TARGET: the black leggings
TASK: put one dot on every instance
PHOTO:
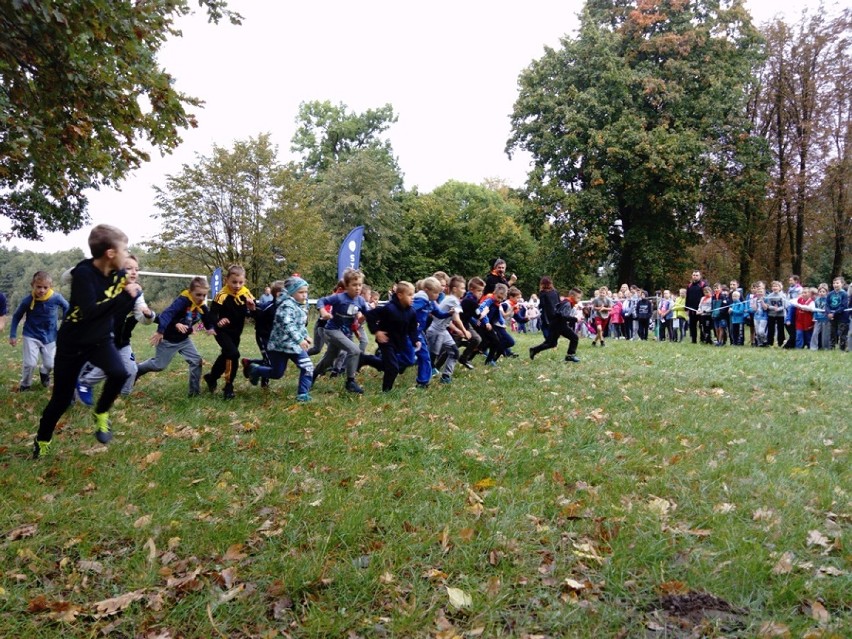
(67, 367)
(228, 362)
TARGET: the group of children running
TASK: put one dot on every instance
(433, 326)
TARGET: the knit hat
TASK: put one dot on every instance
(293, 284)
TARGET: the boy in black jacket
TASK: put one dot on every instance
(175, 325)
(395, 328)
(99, 294)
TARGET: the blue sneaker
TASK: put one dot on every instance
(85, 394)
(304, 397)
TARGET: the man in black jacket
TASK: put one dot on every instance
(694, 293)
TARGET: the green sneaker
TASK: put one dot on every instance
(102, 431)
(40, 449)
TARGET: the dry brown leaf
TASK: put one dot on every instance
(784, 565)
(466, 534)
(492, 586)
(64, 611)
(819, 613)
(142, 522)
(232, 593)
(151, 547)
(446, 544)
(597, 416)
(150, 459)
(770, 629)
(816, 538)
(673, 587)
(38, 604)
(234, 553)
(113, 606)
(575, 585)
(187, 582)
(228, 576)
(90, 566)
(27, 530)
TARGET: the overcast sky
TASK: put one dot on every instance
(449, 69)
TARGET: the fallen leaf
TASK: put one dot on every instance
(816, 538)
(232, 593)
(153, 458)
(466, 534)
(770, 629)
(724, 508)
(151, 547)
(234, 553)
(784, 565)
(482, 484)
(819, 613)
(673, 587)
(27, 530)
(573, 584)
(660, 506)
(228, 576)
(113, 606)
(142, 522)
(459, 598)
(90, 566)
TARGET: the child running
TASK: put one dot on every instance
(229, 311)
(343, 309)
(91, 375)
(443, 347)
(288, 341)
(99, 293)
(175, 325)
(560, 326)
(395, 328)
(39, 312)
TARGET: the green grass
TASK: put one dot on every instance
(564, 499)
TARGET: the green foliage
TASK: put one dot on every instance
(17, 268)
(328, 134)
(623, 121)
(361, 189)
(462, 228)
(83, 98)
(239, 206)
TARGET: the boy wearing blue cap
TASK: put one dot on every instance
(289, 339)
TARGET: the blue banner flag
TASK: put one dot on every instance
(216, 284)
(350, 251)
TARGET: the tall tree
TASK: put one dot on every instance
(362, 190)
(623, 122)
(462, 228)
(356, 177)
(805, 112)
(83, 98)
(239, 206)
(328, 134)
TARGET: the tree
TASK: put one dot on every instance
(356, 178)
(83, 98)
(362, 190)
(239, 206)
(623, 122)
(462, 228)
(328, 134)
(805, 107)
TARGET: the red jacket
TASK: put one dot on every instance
(804, 319)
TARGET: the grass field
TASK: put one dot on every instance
(653, 490)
